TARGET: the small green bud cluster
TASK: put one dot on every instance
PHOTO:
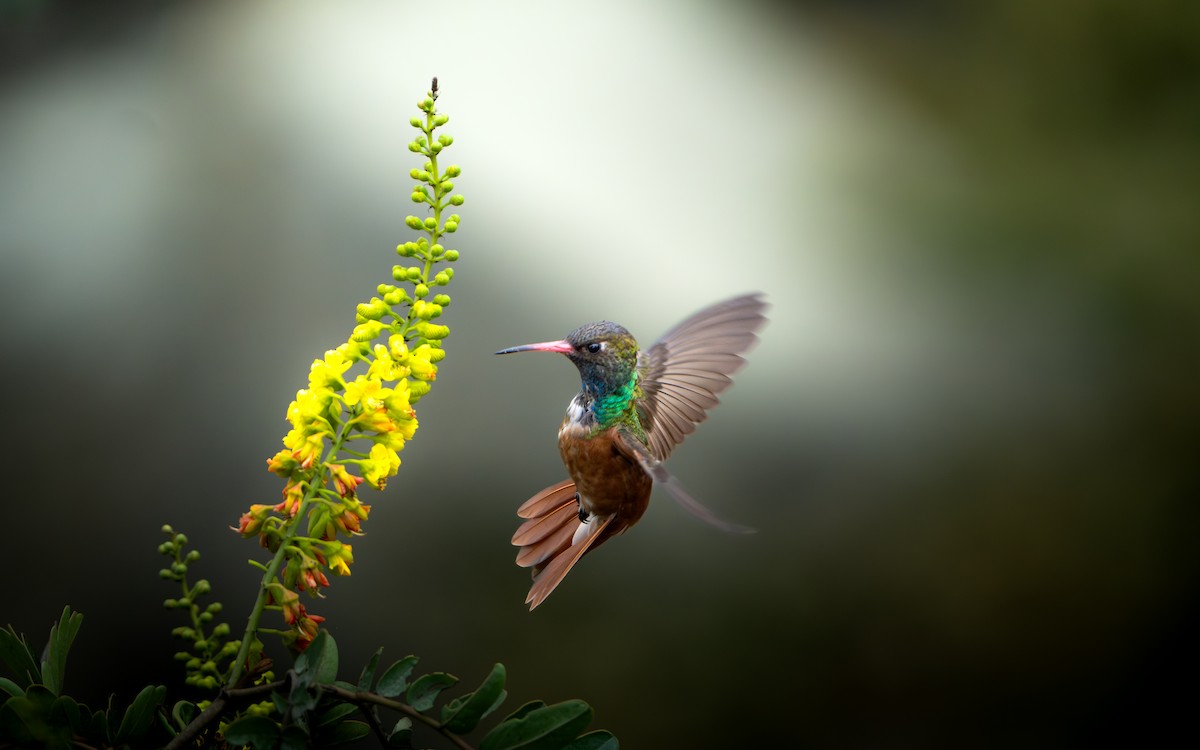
(435, 188)
(208, 661)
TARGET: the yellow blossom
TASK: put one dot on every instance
(327, 372)
(383, 463)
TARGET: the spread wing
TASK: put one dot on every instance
(683, 372)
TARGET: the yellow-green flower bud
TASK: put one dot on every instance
(445, 140)
(449, 271)
(440, 120)
(446, 186)
(395, 297)
(421, 291)
(416, 122)
(436, 250)
(417, 389)
(442, 300)
(457, 200)
(441, 279)
(399, 273)
(453, 170)
(451, 255)
(418, 196)
(437, 355)
(414, 273)
(366, 331)
(436, 148)
(426, 104)
(371, 310)
(435, 332)
(414, 147)
(451, 227)
(430, 223)
(413, 222)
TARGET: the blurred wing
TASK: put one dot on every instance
(630, 446)
(684, 371)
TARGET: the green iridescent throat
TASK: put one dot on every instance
(617, 405)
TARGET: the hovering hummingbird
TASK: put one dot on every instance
(635, 406)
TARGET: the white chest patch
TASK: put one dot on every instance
(573, 424)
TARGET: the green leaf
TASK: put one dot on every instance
(401, 734)
(19, 657)
(524, 710)
(347, 731)
(257, 731)
(394, 681)
(597, 740)
(140, 713)
(336, 714)
(294, 738)
(368, 674)
(98, 727)
(65, 711)
(62, 635)
(21, 721)
(423, 692)
(547, 728)
(320, 660)
(183, 712)
(473, 707)
(10, 687)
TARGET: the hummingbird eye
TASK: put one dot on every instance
(594, 347)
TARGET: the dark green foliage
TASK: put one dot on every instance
(546, 728)
(314, 709)
(36, 714)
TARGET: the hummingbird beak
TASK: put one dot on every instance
(562, 347)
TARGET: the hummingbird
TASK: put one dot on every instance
(634, 407)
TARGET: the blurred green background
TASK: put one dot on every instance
(968, 436)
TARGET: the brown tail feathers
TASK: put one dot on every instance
(546, 538)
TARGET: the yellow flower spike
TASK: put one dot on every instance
(374, 404)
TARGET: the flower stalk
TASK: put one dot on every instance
(357, 413)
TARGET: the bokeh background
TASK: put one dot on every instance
(968, 436)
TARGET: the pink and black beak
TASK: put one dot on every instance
(562, 347)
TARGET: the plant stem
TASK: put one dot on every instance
(359, 697)
(272, 569)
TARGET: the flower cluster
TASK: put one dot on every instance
(351, 422)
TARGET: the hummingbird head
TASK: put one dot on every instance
(605, 354)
